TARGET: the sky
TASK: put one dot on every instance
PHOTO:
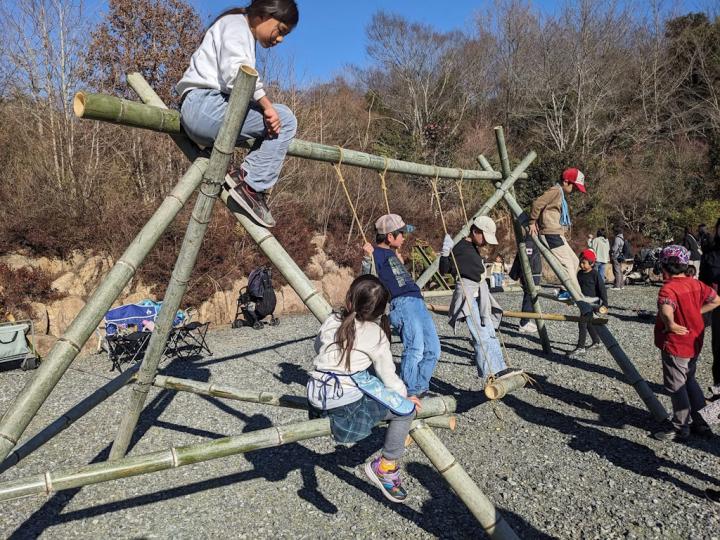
(331, 33)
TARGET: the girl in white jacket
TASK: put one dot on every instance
(205, 90)
(341, 387)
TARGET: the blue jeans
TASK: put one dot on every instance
(202, 113)
(488, 354)
(421, 346)
(498, 278)
(601, 271)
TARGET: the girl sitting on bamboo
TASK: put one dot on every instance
(341, 387)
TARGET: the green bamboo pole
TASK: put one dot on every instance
(477, 502)
(222, 152)
(521, 248)
(631, 373)
(26, 404)
(49, 482)
(111, 109)
(267, 243)
(484, 211)
(500, 388)
(68, 418)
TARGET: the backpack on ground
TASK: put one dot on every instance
(627, 250)
(256, 301)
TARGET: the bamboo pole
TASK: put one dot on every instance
(115, 110)
(477, 502)
(623, 361)
(213, 178)
(506, 184)
(69, 418)
(28, 402)
(265, 240)
(50, 482)
(433, 294)
(554, 317)
(501, 387)
(554, 297)
(521, 248)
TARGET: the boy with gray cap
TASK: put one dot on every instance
(472, 301)
(408, 314)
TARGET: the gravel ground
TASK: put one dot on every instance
(568, 458)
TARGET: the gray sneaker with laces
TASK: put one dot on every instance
(246, 199)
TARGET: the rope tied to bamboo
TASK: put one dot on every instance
(460, 192)
(383, 185)
(341, 180)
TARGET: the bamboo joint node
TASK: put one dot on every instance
(48, 483)
(71, 343)
(175, 459)
(8, 438)
(132, 267)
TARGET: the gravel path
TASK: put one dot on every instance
(569, 458)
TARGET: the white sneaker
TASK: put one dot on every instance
(529, 328)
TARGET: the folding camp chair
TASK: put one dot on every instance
(188, 341)
(15, 352)
(126, 348)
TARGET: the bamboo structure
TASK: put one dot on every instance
(499, 388)
(589, 319)
(49, 482)
(222, 152)
(480, 506)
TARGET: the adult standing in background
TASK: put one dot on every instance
(691, 244)
(601, 246)
(710, 275)
(704, 237)
(617, 258)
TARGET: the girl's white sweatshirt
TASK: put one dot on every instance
(371, 348)
(227, 45)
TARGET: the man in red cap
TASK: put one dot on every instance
(550, 217)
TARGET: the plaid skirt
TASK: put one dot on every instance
(353, 422)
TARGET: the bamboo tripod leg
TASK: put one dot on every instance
(522, 253)
(28, 402)
(634, 378)
(267, 242)
(199, 221)
(477, 502)
(484, 210)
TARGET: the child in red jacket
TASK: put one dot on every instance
(679, 330)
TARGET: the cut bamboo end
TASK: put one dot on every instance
(500, 388)
(79, 104)
(249, 70)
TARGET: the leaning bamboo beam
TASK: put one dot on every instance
(443, 310)
(213, 179)
(265, 240)
(623, 361)
(129, 113)
(500, 388)
(68, 418)
(477, 502)
(49, 482)
(521, 249)
(28, 402)
(506, 184)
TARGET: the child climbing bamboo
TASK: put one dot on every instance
(550, 217)
(205, 90)
(408, 313)
(591, 286)
(342, 388)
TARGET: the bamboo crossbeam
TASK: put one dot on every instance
(213, 179)
(443, 310)
(434, 294)
(68, 418)
(265, 240)
(129, 113)
(500, 388)
(28, 402)
(477, 502)
(507, 183)
(49, 482)
(554, 297)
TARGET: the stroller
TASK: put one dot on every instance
(256, 301)
(645, 265)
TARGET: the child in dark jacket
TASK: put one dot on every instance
(591, 286)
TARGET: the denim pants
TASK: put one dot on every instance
(498, 278)
(600, 267)
(202, 113)
(488, 354)
(421, 346)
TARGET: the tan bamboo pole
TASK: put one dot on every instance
(445, 421)
(49, 482)
(477, 502)
(114, 110)
(521, 248)
(213, 178)
(506, 184)
(68, 418)
(265, 240)
(623, 361)
(28, 402)
(434, 294)
(554, 317)
(501, 387)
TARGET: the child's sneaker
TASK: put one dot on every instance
(253, 202)
(564, 296)
(388, 482)
(528, 328)
(593, 345)
(670, 433)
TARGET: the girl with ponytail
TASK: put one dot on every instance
(341, 387)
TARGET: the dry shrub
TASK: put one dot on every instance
(20, 287)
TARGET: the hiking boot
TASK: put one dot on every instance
(712, 495)
(389, 482)
(668, 432)
(252, 202)
(528, 328)
(507, 373)
(577, 351)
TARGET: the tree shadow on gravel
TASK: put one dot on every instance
(628, 455)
